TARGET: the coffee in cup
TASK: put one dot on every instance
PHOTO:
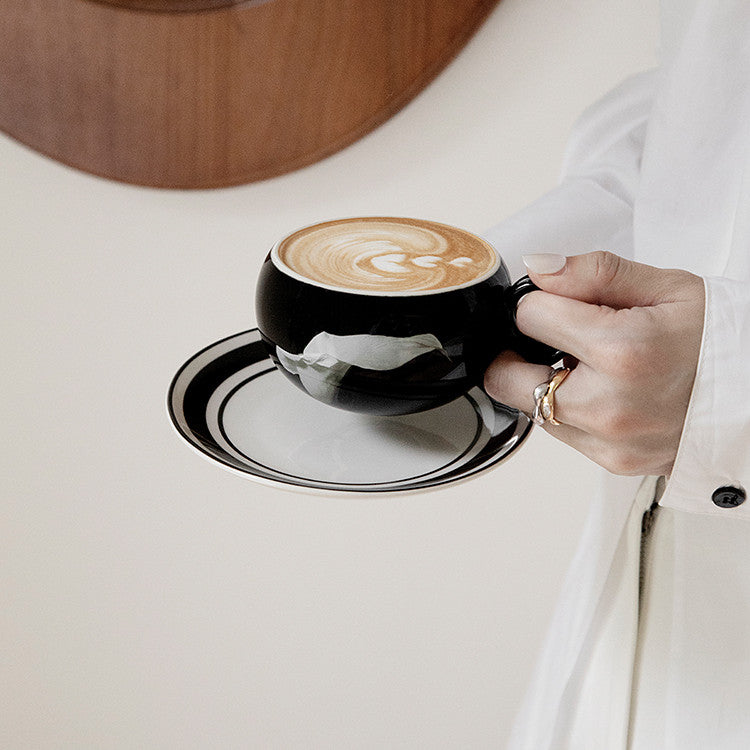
(386, 256)
(388, 315)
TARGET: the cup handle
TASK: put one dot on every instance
(530, 349)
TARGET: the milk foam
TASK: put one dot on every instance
(386, 256)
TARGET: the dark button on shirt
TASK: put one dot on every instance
(729, 497)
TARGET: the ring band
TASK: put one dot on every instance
(544, 397)
(539, 393)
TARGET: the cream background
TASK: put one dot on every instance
(150, 599)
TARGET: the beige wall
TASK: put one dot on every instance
(152, 600)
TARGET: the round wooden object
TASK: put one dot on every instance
(209, 93)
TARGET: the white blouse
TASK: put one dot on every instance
(650, 644)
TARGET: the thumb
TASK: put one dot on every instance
(602, 278)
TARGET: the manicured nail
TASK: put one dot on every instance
(545, 263)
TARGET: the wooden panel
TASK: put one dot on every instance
(219, 97)
(179, 6)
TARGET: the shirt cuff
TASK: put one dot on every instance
(710, 471)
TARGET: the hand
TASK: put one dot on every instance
(635, 332)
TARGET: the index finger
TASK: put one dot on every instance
(568, 324)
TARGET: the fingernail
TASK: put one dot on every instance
(545, 263)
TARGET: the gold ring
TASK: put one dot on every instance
(539, 393)
(544, 397)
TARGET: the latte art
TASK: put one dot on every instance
(386, 256)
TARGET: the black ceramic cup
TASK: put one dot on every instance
(387, 315)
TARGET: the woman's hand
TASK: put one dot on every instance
(635, 332)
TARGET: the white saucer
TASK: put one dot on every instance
(230, 403)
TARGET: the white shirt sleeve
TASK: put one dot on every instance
(714, 449)
(592, 207)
